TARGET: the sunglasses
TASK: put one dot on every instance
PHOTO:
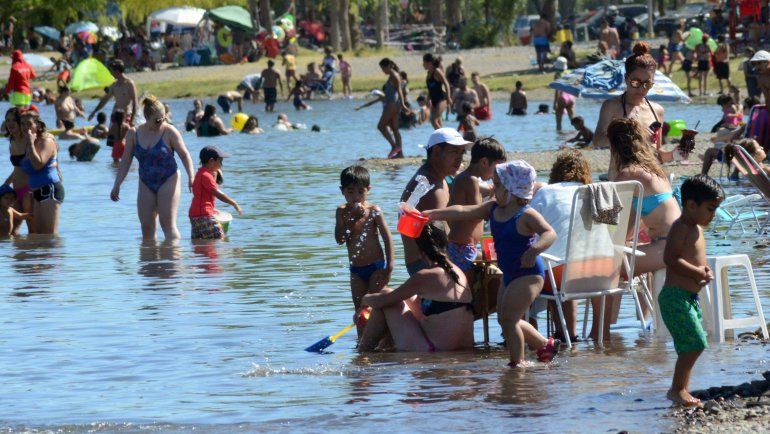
(160, 120)
(636, 84)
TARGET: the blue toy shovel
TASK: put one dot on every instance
(329, 340)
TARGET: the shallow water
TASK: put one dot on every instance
(103, 333)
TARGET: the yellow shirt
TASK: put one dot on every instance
(290, 61)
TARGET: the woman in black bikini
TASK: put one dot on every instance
(438, 89)
(430, 311)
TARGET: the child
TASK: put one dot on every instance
(205, 189)
(687, 63)
(9, 217)
(116, 136)
(732, 115)
(297, 91)
(704, 65)
(470, 188)
(686, 274)
(252, 126)
(514, 225)
(663, 59)
(584, 135)
(284, 124)
(423, 113)
(542, 109)
(346, 71)
(518, 103)
(290, 63)
(468, 122)
(358, 223)
(100, 130)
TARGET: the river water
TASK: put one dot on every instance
(104, 333)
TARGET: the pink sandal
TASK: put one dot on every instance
(548, 351)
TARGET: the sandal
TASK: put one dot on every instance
(548, 351)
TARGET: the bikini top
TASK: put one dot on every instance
(16, 159)
(655, 126)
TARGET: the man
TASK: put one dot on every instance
(271, 78)
(484, 111)
(761, 61)
(250, 86)
(541, 34)
(518, 105)
(123, 90)
(464, 95)
(609, 36)
(8, 33)
(18, 88)
(226, 99)
(722, 64)
(445, 148)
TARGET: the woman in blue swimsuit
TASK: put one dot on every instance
(635, 160)
(153, 144)
(431, 311)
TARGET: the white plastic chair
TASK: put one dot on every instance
(738, 209)
(597, 254)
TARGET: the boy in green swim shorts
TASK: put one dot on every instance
(686, 274)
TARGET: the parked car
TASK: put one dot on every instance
(523, 25)
(692, 14)
(617, 15)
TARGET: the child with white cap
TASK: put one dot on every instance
(520, 234)
(761, 61)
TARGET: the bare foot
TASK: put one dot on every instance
(684, 398)
(394, 153)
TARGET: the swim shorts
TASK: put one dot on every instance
(682, 315)
(271, 95)
(68, 124)
(19, 99)
(206, 228)
(704, 65)
(48, 192)
(224, 102)
(722, 70)
(483, 113)
(462, 255)
(365, 271)
(687, 65)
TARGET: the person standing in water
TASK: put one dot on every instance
(518, 104)
(484, 111)
(392, 106)
(124, 92)
(439, 91)
(194, 116)
(18, 88)
(270, 79)
(346, 71)
(541, 34)
(154, 144)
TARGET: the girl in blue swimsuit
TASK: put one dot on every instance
(154, 145)
(520, 234)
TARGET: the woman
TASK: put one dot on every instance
(17, 150)
(42, 169)
(252, 126)
(210, 124)
(438, 89)
(392, 106)
(430, 311)
(153, 144)
(635, 160)
(633, 103)
(553, 201)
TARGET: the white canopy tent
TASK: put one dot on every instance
(182, 16)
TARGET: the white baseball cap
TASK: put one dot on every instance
(449, 136)
(560, 63)
(761, 56)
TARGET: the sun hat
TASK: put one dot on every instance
(761, 56)
(560, 63)
(449, 136)
(518, 177)
(209, 152)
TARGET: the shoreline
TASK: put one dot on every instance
(544, 159)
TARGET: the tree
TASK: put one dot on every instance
(344, 19)
(382, 23)
(254, 12)
(454, 14)
(334, 28)
(435, 13)
(264, 15)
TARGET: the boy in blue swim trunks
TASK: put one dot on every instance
(358, 224)
(686, 274)
(470, 188)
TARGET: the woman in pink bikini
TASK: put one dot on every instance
(18, 178)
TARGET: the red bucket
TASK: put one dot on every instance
(411, 223)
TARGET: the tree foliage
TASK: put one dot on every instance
(56, 13)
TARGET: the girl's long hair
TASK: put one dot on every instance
(630, 146)
(433, 243)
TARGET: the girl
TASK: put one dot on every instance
(752, 147)
(116, 136)
(663, 58)
(732, 115)
(252, 126)
(468, 123)
(296, 92)
(393, 103)
(438, 89)
(514, 225)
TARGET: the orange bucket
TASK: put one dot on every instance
(411, 223)
(488, 246)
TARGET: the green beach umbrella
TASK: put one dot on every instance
(234, 17)
(89, 74)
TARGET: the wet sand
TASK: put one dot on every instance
(543, 160)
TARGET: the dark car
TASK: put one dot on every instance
(616, 14)
(692, 14)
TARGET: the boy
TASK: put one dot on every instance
(423, 112)
(722, 63)
(290, 63)
(271, 78)
(518, 104)
(101, 129)
(704, 65)
(584, 134)
(686, 274)
(205, 188)
(470, 188)
(9, 217)
(357, 225)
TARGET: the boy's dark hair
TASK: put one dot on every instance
(421, 98)
(489, 148)
(578, 119)
(519, 85)
(101, 117)
(542, 108)
(117, 65)
(700, 188)
(270, 63)
(354, 175)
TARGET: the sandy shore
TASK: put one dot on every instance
(543, 160)
(744, 408)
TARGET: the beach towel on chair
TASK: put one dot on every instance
(758, 126)
(605, 203)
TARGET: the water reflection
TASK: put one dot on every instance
(208, 255)
(160, 262)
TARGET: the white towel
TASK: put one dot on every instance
(605, 203)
